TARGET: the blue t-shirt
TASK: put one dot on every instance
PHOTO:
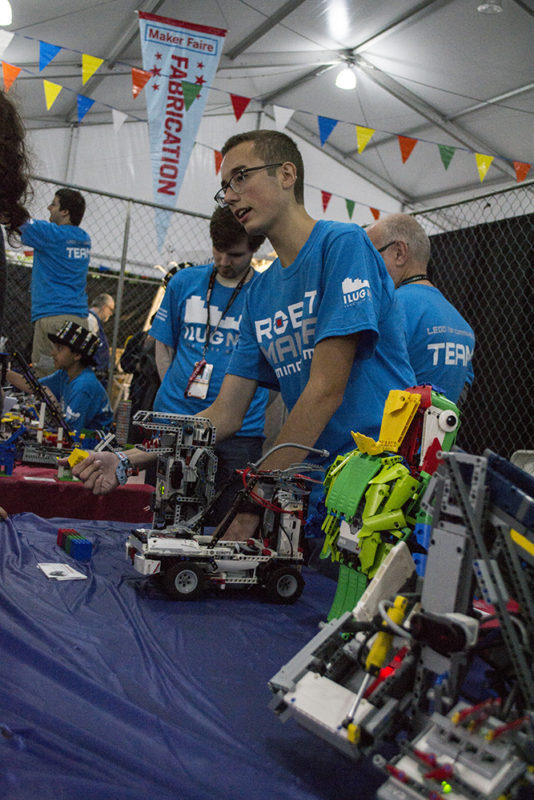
(337, 285)
(181, 323)
(60, 263)
(440, 342)
(83, 400)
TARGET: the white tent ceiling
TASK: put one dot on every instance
(437, 71)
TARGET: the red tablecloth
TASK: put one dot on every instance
(38, 490)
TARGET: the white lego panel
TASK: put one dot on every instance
(324, 701)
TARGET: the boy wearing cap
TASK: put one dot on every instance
(82, 398)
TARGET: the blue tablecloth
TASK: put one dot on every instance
(111, 691)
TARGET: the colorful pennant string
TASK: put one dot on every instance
(239, 105)
(9, 73)
(326, 126)
(483, 164)
(406, 145)
(90, 64)
(363, 137)
(325, 196)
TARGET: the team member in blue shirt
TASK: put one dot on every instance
(198, 321)
(59, 275)
(321, 324)
(80, 395)
(440, 342)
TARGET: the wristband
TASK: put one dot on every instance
(124, 468)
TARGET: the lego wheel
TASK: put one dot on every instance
(183, 581)
(284, 585)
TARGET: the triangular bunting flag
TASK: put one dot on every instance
(326, 126)
(282, 116)
(90, 64)
(325, 196)
(84, 104)
(446, 152)
(375, 212)
(218, 160)
(239, 104)
(483, 164)
(350, 207)
(5, 40)
(51, 91)
(46, 53)
(118, 119)
(406, 146)
(191, 92)
(140, 78)
(521, 169)
(9, 72)
(363, 137)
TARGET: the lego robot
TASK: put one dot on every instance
(393, 668)
(186, 560)
(373, 493)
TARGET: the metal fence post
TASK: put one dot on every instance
(118, 299)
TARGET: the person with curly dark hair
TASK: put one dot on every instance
(14, 185)
(14, 168)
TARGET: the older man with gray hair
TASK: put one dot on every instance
(440, 341)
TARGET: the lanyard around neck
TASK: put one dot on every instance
(236, 291)
(413, 279)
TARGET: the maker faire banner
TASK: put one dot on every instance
(182, 58)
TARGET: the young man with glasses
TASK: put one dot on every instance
(321, 324)
(440, 341)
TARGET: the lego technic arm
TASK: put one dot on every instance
(39, 391)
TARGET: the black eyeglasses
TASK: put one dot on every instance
(237, 182)
(381, 249)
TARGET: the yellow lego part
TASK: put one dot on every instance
(366, 444)
(353, 733)
(76, 456)
(522, 541)
(399, 411)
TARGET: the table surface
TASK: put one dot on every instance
(38, 490)
(111, 691)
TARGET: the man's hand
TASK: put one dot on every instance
(3, 513)
(96, 472)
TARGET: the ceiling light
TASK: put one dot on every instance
(346, 78)
(490, 7)
(6, 15)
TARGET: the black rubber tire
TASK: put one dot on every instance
(284, 585)
(183, 581)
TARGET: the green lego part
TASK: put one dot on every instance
(351, 584)
(350, 483)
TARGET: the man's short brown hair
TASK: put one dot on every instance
(226, 232)
(273, 146)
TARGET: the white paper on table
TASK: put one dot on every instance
(61, 572)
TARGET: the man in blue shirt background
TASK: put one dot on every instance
(198, 321)
(440, 342)
(59, 275)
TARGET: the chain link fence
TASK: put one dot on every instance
(482, 260)
(125, 262)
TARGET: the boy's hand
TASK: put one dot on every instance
(96, 472)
